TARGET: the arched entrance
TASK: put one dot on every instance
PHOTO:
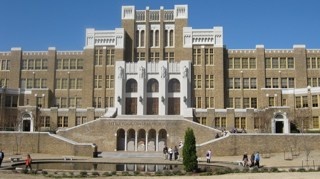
(27, 123)
(141, 140)
(131, 140)
(280, 123)
(152, 140)
(120, 139)
(162, 139)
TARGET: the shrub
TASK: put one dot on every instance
(311, 170)
(177, 172)
(107, 174)
(301, 170)
(236, 170)
(189, 153)
(222, 171)
(274, 169)
(245, 170)
(136, 173)
(255, 170)
(44, 173)
(71, 173)
(124, 173)
(158, 173)
(95, 173)
(264, 170)
(167, 173)
(113, 173)
(292, 170)
(83, 173)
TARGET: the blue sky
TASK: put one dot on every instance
(38, 24)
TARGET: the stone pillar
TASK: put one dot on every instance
(157, 141)
(136, 141)
(146, 148)
(125, 140)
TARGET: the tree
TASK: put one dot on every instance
(189, 151)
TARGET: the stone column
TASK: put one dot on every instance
(146, 148)
(125, 140)
(136, 141)
(157, 141)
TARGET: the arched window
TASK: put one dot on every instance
(174, 86)
(137, 38)
(142, 39)
(152, 86)
(165, 38)
(171, 38)
(131, 86)
(151, 38)
(156, 38)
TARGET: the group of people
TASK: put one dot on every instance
(27, 162)
(254, 160)
(172, 153)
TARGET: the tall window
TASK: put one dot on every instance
(209, 81)
(171, 38)
(208, 56)
(142, 39)
(4, 64)
(156, 40)
(169, 56)
(196, 60)
(98, 57)
(97, 81)
(154, 57)
(197, 81)
(109, 81)
(110, 57)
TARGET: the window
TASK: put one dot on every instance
(97, 102)
(290, 63)
(198, 102)
(98, 57)
(72, 83)
(271, 101)
(64, 103)
(298, 102)
(208, 56)
(240, 122)
(245, 63)
(209, 102)
(4, 64)
(73, 64)
(45, 121)
(174, 86)
(37, 64)
(62, 121)
(65, 64)
(305, 101)
(231, 103)
(154, 57)
(268, 63)
(245, 83)
(30, 64)
(291, 83)
(253, 102)
(253, 63)
(275, 83)
(253, 83)
(268, 82)
(237, 103)
(79, 83)
(109, 102)
(284, 82)
(141, 56)
(196, 56)
(314, 100)
(230, 83)
(283, 62)
(315, 122)
(80, 64)
(275, 63)
(230, 63)
(156, 36)
(78, 102)
(151, 38)
(131, 86)
(246, 103)
(152, 86)
(171, 38)
(110, 57)
(169, 56)
(209, 81)
(142, 39)
(81, 120)
(197, 81)
(236, 63)
(237, 84)
(64, 83)
(109, 81)
(97, 81)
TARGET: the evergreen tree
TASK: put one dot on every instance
(189, 152)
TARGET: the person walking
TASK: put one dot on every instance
(28, 162)
(1, 157)
(257, 159)
(208, 156)
(245, 159)
(165, 152)
(170, 153)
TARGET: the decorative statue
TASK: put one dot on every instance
(163, 72)
(120, 72)
(185, 71)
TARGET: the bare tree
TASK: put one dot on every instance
(265, 117)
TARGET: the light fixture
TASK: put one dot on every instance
(119, 99)
(162, 99)
(185, 99)
(140, 98)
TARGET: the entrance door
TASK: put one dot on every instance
(131, 106)
(26, 125)
(279, 126)
(174, 106)
(152, 106)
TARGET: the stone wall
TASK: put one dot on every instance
(237, 144)
(23, 142)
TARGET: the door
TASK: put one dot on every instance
(131, 106)
(174, 106)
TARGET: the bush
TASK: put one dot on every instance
(158, 173)
(44, 173)
(83, 173)
(107, 174)
(113, 173)
(301, 170)
(167, 173)
(136, 173)
(222, 171)
(255, 170)
(245, 170)
(311, 170)
(264, 170)
(236, 170)
(177, 172)
(71, 173)
(292, 170)
(95, 174)
(125, 173)
(274, 169)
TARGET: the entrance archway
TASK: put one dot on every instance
(152, 140)
(120, 139)
(27, 123)
(141, 140)
(131, 140)
(280, 123)
(162, 139)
